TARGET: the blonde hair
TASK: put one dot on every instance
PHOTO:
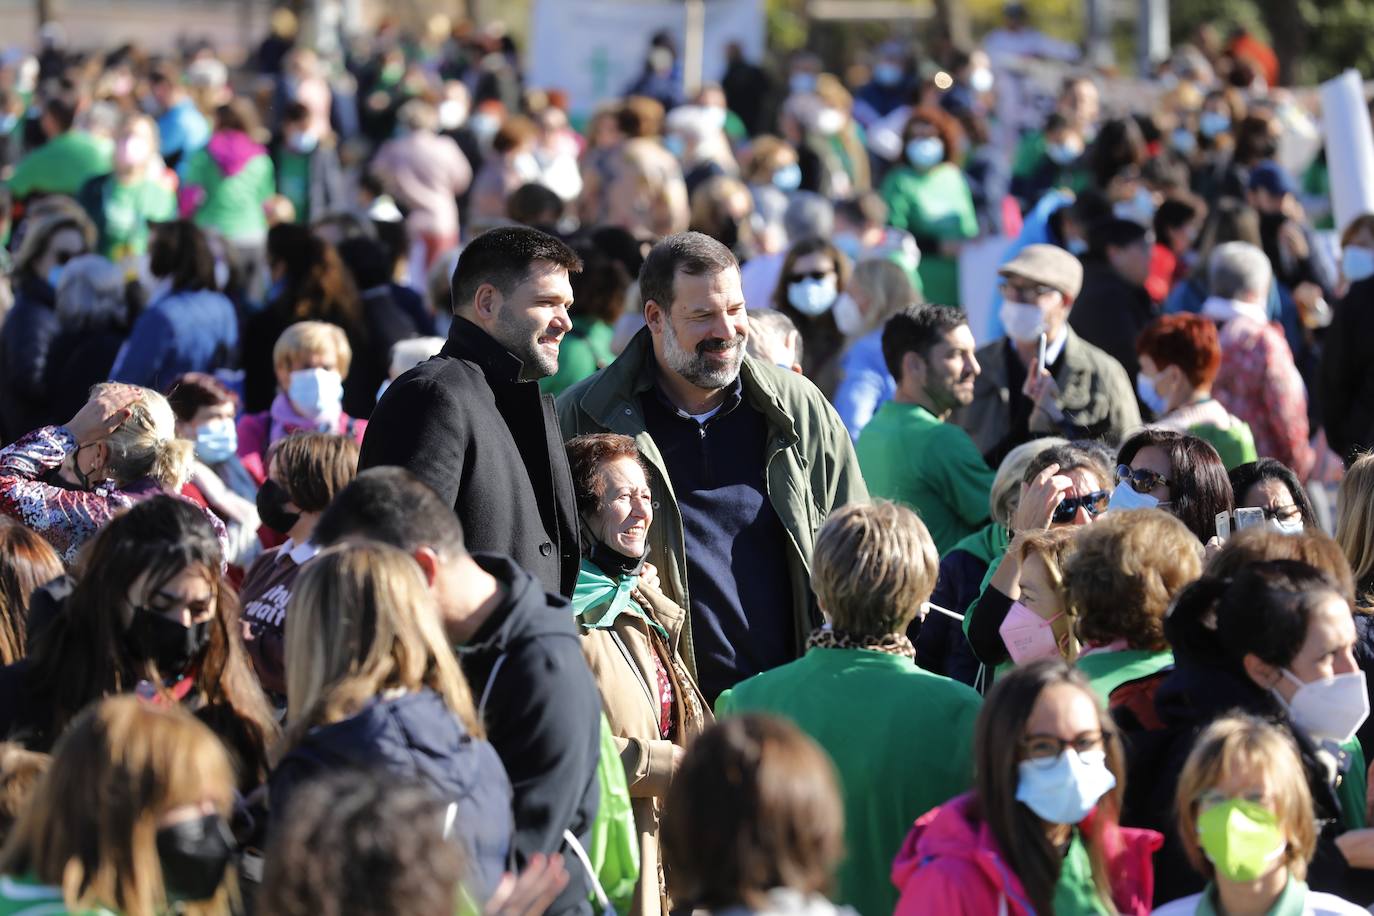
(145, 444)
(1355, 523)
(361, 621)
(873, 566)
(1124, 573)
(1054, 547)
(1006, 484)
(886, 286)
(91, 825)
(305, 339)
(1243, 742)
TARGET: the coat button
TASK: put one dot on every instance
(656, 505)
(628, 412)
(545, 549)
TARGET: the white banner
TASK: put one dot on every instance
(1349, 147)
(594, 49)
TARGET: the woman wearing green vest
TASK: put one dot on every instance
(1120, 583)
(928, 196)
(1038, 834)
(131, 818)
(1246, 818)
(630, 637)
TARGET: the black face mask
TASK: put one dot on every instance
(272, 500)
(194, 855)
(166, 643)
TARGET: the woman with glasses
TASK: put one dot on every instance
(1246, 821)
(1063, 487)
(1176, 472)
(1275, 639)
(814, 275)
(1271, 486)
(1039, 832)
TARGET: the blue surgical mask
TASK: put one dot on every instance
(1061, 153)
(675, 145)
(1065, 790)
(925, 152)
(1145, 387)
(1125, 498)
(849, 243)
(317, 394)
(812, 297)
(216, 440)
(1213, 123)
(55, 275)
(887, 73)
(1078, 247)
(1139, 209)
(1183, 140)
(303, 143)
(787, 178)
(1357, 263)
(802, 83)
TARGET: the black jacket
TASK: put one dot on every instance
(542, 711)
(1347, 373)
(1193, 696)
(1110, 313)
(490, 446)
(26, 338)
(415, 737)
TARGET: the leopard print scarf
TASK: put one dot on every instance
(892, 643)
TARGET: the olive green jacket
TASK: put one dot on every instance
(810, 468)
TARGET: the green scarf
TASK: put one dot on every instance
(598, 599)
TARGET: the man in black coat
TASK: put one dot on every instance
(1114, 306)
(1347, 373)
(471, 422)
(520, 652)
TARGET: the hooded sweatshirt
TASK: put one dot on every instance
(415, 736)
(543, 715)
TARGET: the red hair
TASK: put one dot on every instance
(1186, 341)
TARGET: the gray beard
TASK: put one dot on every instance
(695, 368)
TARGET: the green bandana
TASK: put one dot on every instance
(599, 599)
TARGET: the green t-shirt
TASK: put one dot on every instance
(293, 182)
(25, 896)
(909, 456)
(233, 203)
(1076, 893)
(901, 739)
(127, 210)
(935, 204)
(62, 165)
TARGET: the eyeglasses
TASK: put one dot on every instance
(1213, 797)
(1141, 480)
(1044, 750)
(1093, 503)
(818, 275)
(1025, 292)
(1289, 513)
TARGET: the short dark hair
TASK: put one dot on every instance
(193, 390)
(368, 260)
(1246, 476)
(692, 253)
(62, 112)
(1199, 487)
(1177, 211)
(341, 819)
(866, 209)
(916, 329)
(534, 205)
(390, 505)
(295, 113)
(179, 251)
(586, 455)
(503, 257)
(315, 467)
(1115, 233)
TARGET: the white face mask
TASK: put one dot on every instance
(1125, 498)
(848, 318)
(1067, 789)
(812, 297)
(1329, 710)
(1023, 323)
(317, 394)
(829, 121)
(1293, 526)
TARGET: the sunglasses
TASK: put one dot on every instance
(1093, 503)
(818, 275)
(1142, 481)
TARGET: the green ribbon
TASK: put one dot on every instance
(598, 599)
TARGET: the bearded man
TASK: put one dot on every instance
(747, 460)
(471, 422)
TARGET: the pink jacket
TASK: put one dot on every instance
(950, 864)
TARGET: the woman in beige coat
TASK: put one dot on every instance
(630, 634)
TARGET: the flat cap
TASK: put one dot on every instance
(1048, 265)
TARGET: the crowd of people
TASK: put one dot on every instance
(425, 493)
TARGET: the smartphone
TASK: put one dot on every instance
(1249, 518)
(1223, 523)
(1044, 342)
